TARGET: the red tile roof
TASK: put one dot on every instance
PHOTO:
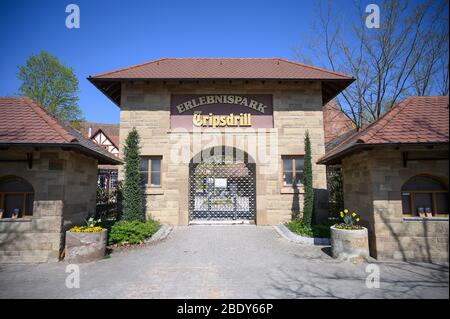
(335, 122)
(416, 120)
(23, 122)
(220, 68)
(110, 130)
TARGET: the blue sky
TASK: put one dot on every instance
(118, 33)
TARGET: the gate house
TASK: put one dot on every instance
(222, 139)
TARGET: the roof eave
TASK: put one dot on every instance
(336, 158)
(328, 91)
(102, 159)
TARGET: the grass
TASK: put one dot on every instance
(320, 231)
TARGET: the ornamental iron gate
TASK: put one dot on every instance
(222, 188)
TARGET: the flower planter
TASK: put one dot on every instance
(85, 247)
(350, 245)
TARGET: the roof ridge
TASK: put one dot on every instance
(399, 106)
(52, 122)
(128, 67)
(106, 135)
(224, 58)
(363, 129)
(315, 68)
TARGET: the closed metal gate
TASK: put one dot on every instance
(222, 189)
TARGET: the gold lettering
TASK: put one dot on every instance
(230, 120)
(197, 120)
(211, 120)
(216, 121)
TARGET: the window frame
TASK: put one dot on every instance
(23, 213)
(433, 193)
(292, 169)
(149, 160)
(412, 193)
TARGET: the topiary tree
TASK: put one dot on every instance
(308, 199)
(132, 193)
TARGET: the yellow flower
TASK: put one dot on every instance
(357, 219)
(342, 214)
(353, 214)
(346, 211)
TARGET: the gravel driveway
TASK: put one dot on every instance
(225, 262)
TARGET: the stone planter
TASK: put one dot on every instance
(85, 247)
(350, 245)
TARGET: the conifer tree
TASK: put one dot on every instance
(308, 200)
(132, 194)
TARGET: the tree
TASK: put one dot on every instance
(132, 194)
(308, 199)
(407, 55)
(336, 189)
(51, 84)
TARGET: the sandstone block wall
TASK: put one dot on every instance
(297, 108)
(64, 192)
(372, 186)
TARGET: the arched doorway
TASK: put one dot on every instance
(222, 186)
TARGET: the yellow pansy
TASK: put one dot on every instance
(342, 214)
(346, 211)
(357, 219)
(353, 214)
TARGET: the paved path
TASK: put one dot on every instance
(224, 262)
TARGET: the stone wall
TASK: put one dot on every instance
(372, 185)
(64, 190)
(297, 108)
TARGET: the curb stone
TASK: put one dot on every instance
(161, 234)
(290, 236)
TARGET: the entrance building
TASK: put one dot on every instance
(222, 139)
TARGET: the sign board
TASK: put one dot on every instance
(220, 182)
(221, 110)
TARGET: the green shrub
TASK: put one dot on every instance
(132, 232)
(298, 226)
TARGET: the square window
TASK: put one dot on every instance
(151, 170)
(423, 202)
(293, 170)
